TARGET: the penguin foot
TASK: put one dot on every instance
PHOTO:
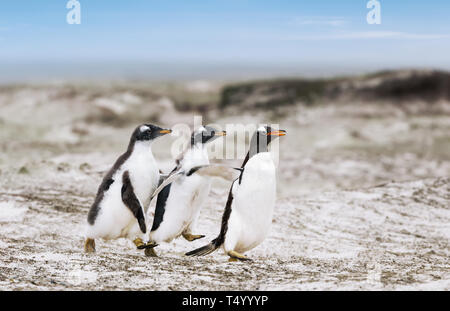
(192, 237)
(150, 252)
(235, 256)
(141, 245)
(148, 245)
(89, 246)
(138, 242)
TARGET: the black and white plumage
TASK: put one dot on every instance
(118, 209)
(247, 217)
(181, 196)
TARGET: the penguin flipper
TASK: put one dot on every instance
(160, 208)
(170, 179)
(132, 202)
(216, 170)
(162, 177)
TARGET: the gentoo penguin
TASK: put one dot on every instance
(118, 209)
(178, 204)
(248, 213)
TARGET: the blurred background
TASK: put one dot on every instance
(363, 103)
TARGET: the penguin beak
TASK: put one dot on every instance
(165, 132)
(223, 133)
(277, 133)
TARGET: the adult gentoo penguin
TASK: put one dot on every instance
(178, 204)
(118, 209)
(248, 213)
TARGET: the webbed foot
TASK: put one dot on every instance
(235, 256)
(141, 245)
(192, 237)
(150, 252)
(89, 246)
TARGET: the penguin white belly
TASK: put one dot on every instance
(115, 219)
(185, 199)
(144, 176)
(182, 207)
(113, 216)
(253, 202)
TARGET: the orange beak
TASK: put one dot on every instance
(165, 131)
(223, 133)
(277, 133)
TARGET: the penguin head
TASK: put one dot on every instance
(263, 136)
(269, 133)
(148, 132)
(205, 134)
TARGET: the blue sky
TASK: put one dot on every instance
(412, 33)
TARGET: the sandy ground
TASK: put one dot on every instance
(394, 236)
(363, 204)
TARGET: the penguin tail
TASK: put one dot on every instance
(205, 250)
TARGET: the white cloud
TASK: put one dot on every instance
(367, 35)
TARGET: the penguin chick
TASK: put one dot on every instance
(248, 212)
(178, 204)
(118, 209)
